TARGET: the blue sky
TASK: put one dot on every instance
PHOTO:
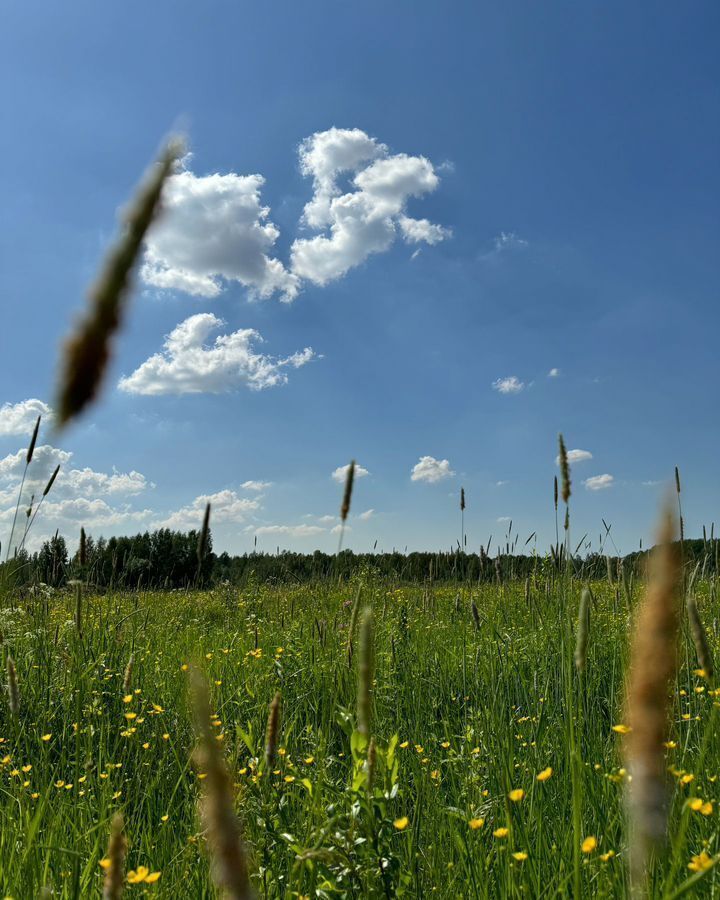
(555, 165)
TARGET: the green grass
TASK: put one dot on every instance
(477, 712)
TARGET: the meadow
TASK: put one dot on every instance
(498, 768)
(550, 733)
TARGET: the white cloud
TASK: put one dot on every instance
(256, 485)
(431, 470)
(504, 519)
(651, 483)
(508, 240)
(599, 482)
(339, 529)
(576, 456)
(367, 515)
(554, 373)
(296, 531)
(19, 418)
(215, 230)
(501, 483)
(367, 219)
(44, 460)
(77, 496)
(509, 385)
(326, 520)
(226, 507)
(186, 365)
(89, 513)
(340, 474)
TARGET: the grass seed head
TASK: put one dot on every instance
(33, 441)
(13, 689)
(583, 631)
(223, 832)
(115, 871)
(127, 678)
(702, 647)
(272, 732)
(347, 493)
(653, 666)
(51, 481)
(87, 351)
(564, 470)
(365, 672)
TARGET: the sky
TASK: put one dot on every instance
(425, 236)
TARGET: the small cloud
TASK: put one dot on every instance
(576, 456)
(340, 474)
(651, 483)
(504, 519)
(352, 225)
(326, 520)
(368, 514)
(256, 485)
(337, 529)
(501, 483)
(188, 364)
(296, 531)
(19, 418)
(599, 482)
(509, 385)
(508, 240)
(431, 470)
(553, 373)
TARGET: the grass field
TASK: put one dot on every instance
(498, 772)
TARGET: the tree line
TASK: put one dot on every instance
(169, 559)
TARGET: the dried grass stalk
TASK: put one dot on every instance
(115, 865)
(347, 494)
(87, 351)
(272, 732)
(223, 832)
(702, 647)
(653, 667)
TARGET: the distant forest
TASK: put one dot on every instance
(169, 559)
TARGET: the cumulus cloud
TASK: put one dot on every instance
(226, 507)
(188, 365)
(599, 482)
(367, 219)
(367, 515)
(509, 385)
(340, 474)
(95, 512)
(576, 456)
(256, 485)
(70, 482)
(78, 497)
(214, 230)
(431, 470)
(19, 418)
(554, 373)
